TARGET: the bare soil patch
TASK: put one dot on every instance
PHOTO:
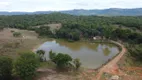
(56, 26)
(53, 26)
(11, 46)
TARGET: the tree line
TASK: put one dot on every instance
(75, 31)
(28, 21)
(75, 27)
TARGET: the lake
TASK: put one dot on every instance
(91, 55)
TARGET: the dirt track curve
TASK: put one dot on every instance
(111, 67)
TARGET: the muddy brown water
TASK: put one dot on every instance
(91, 55)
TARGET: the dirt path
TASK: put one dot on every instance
(111, 67)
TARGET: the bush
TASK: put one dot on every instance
(52, 56)
(5, 68)
(1, 28)
(12, 31)
(135, 51)
(44, 31)
(62, 60)
(26, 65)
(77, 63)
(41, 54)
(16, 34)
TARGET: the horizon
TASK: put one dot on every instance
(68, 10)
(61, 5)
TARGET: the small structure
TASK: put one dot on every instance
(96, 37)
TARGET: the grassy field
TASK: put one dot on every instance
(11, 46)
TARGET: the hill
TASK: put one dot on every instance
(103, 12)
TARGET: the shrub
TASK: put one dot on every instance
(26, 65)
(41, 54)
(16, 44)
(16, 34)
(77, 63)
(1, 28)
(62, 60)
(52, 56)
(5, 68)
(12, 31)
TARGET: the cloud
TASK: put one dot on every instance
(44, 5)
(4, 3)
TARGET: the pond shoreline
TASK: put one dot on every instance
(112, 64)
(100, 41)
(120, 49)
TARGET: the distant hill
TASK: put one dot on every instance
(103, 12)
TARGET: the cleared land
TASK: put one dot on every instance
(52, 26)
(11, 46)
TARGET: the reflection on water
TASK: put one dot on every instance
(78, 45)
(92, 55)
(106, 51)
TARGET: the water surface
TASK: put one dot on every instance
(91, 55)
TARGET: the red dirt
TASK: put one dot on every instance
(112, 67)
(132, 68)
(138, 70)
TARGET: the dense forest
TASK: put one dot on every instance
(27, 21)
(74, 27)
(125, 28)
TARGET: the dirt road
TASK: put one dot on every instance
(111, 67)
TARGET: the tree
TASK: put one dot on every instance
(41, 54)
(107, 31)
(26, 65)
(75, 35)
(5, 68)
(16, 34)
(77, 63)
(44, 31)
(62, 60)
(52, 56)
(136, 52)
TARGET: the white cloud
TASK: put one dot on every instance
(4, 3)
(43, 5)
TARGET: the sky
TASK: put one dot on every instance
(57, 5)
